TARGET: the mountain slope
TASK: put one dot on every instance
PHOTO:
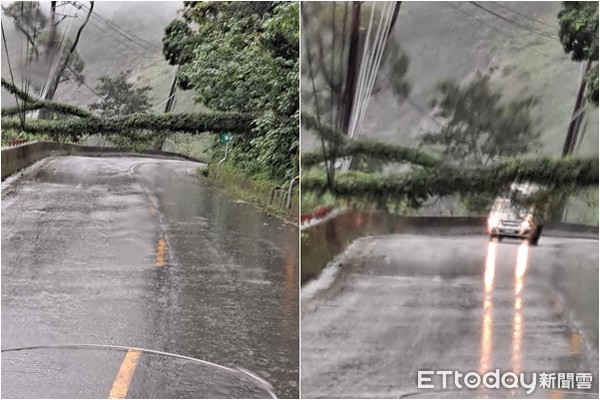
(455, 41)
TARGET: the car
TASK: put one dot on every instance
(510, 219)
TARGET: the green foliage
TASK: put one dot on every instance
(120, 97)
(259, 189)
(579, 29)
(27, 16)
(420, 184)
(579, 36)
(327, 133)
(583, 208)
(592, 84)
(324, 32)
(30, 20)
(9, 135)
(478, 203)
(243, 57)
(133, 130)
(34, 104)
(312, 200)
(128, 125)
(381, 151)
(478, 128)
(195, 146)
(332, 73)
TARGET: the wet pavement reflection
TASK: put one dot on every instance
(144, 253)
(470, 305)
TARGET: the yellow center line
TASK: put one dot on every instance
(124, 376)
(151, 207)
(160, 253)
(574, 343)
(555, 394)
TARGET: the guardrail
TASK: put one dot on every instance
(21, 156)
(322, 241)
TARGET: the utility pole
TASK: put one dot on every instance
(573, 132)
(353, 66)
(168, 108)
(577, 115)
(171, 100)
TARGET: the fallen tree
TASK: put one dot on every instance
(381, 151)
(88, 124)
(416, 186)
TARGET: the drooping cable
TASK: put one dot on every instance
(369, 69)
(361, 74)
(375, 69)
(54, 69)
(12, 78)
(65, 38)
(518, 25)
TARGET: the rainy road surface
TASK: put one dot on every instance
(404, 303)
(139, 252)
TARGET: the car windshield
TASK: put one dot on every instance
(505, 206)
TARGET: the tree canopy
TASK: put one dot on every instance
(477, 126)
(43, 43)
(120, 96)
(579, 37)
(243, 57)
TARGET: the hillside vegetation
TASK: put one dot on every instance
(106, 52)
(456, 41)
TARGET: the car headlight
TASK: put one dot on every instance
(525, 224)
(493, 222)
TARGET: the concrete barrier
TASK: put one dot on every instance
(323, 241)
(16, 158)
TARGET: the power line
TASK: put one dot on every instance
(21, 116)
(522, 15)
(104, 24)
(103, 28)
(518, 25)
(123, 32)
(421, 110)
(83, 82)
(497, 30)
(108, 21)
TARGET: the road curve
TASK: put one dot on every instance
(141, 252)
(404, 303)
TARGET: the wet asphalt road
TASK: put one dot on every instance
(143, 253)
(404, 303)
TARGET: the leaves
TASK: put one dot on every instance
(126, 125)
(35, 104)
(579, 29)
(30, 20)
(375, 150)
(120, 97)
(243, 57)
(478, 128)
(579, 36)
(418, 185)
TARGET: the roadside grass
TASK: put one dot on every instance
(195, 146)
(259, 190)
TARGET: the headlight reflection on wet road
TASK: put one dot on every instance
(488, 317)
(521, 268)
(487, 323)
